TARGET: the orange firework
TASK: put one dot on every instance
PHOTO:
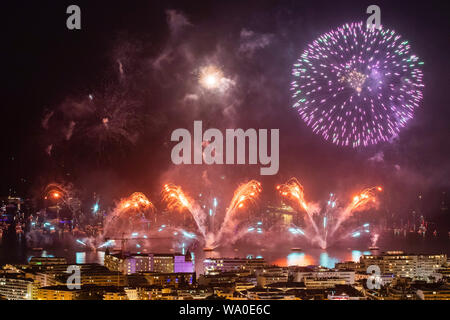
(247, 192)
(365, 197)
(293, 190)
(137, 201)
(53, 194)
(361, 201)
(131, 213)
(175, 198)
(57, 192)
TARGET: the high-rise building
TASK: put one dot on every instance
(163, 263)
(152, 262)
(43, 261)
(183, 263)
(269, 275)
(59, 292)
(15, 286)
(170, 279)
(323, 277)
(137, 263)
(114, 262)
(414, 266)
(216, 265)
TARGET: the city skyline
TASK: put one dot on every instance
(209, 150)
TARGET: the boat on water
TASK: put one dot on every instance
(374, 248)
(297, 249)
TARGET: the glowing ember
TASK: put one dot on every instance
(210, 77)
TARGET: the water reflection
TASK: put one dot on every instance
(298, 259)
(80, 257)
(46, 255)
(12, 252)
(327, 261)
(320, 257)
(100, 257)
(90, 257)
(356, 255)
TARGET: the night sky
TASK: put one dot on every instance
(49, 71)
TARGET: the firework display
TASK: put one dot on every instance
(260, 150)
(105, 120)
(357, 86)
(177, 200)
(246, 193)
(184, 220)
(323, 226)
(63, 195)
(131, 214)
(210, 77)
(112, 119)
(332, 216)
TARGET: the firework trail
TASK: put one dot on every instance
(176, 199)
(245, 194)
(59, 196)
(58, 190)
(293, 190)
(361, 201)
(131, 213)
(64, 194)
(137, 201)
(355, 233)
(332, 217)
(103, 119)
(113, 120)
(357, 86)
(374, 239)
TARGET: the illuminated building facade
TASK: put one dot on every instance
(414, 266)
(137, 263)
(44, 261)
(157, 262)
(60, 292)
(318, 277)
(163, 263)
(434, 293)
(217, 265)
(16, 286)
(169, 279)
(270, 275)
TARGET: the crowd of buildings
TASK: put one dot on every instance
(157, 276)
